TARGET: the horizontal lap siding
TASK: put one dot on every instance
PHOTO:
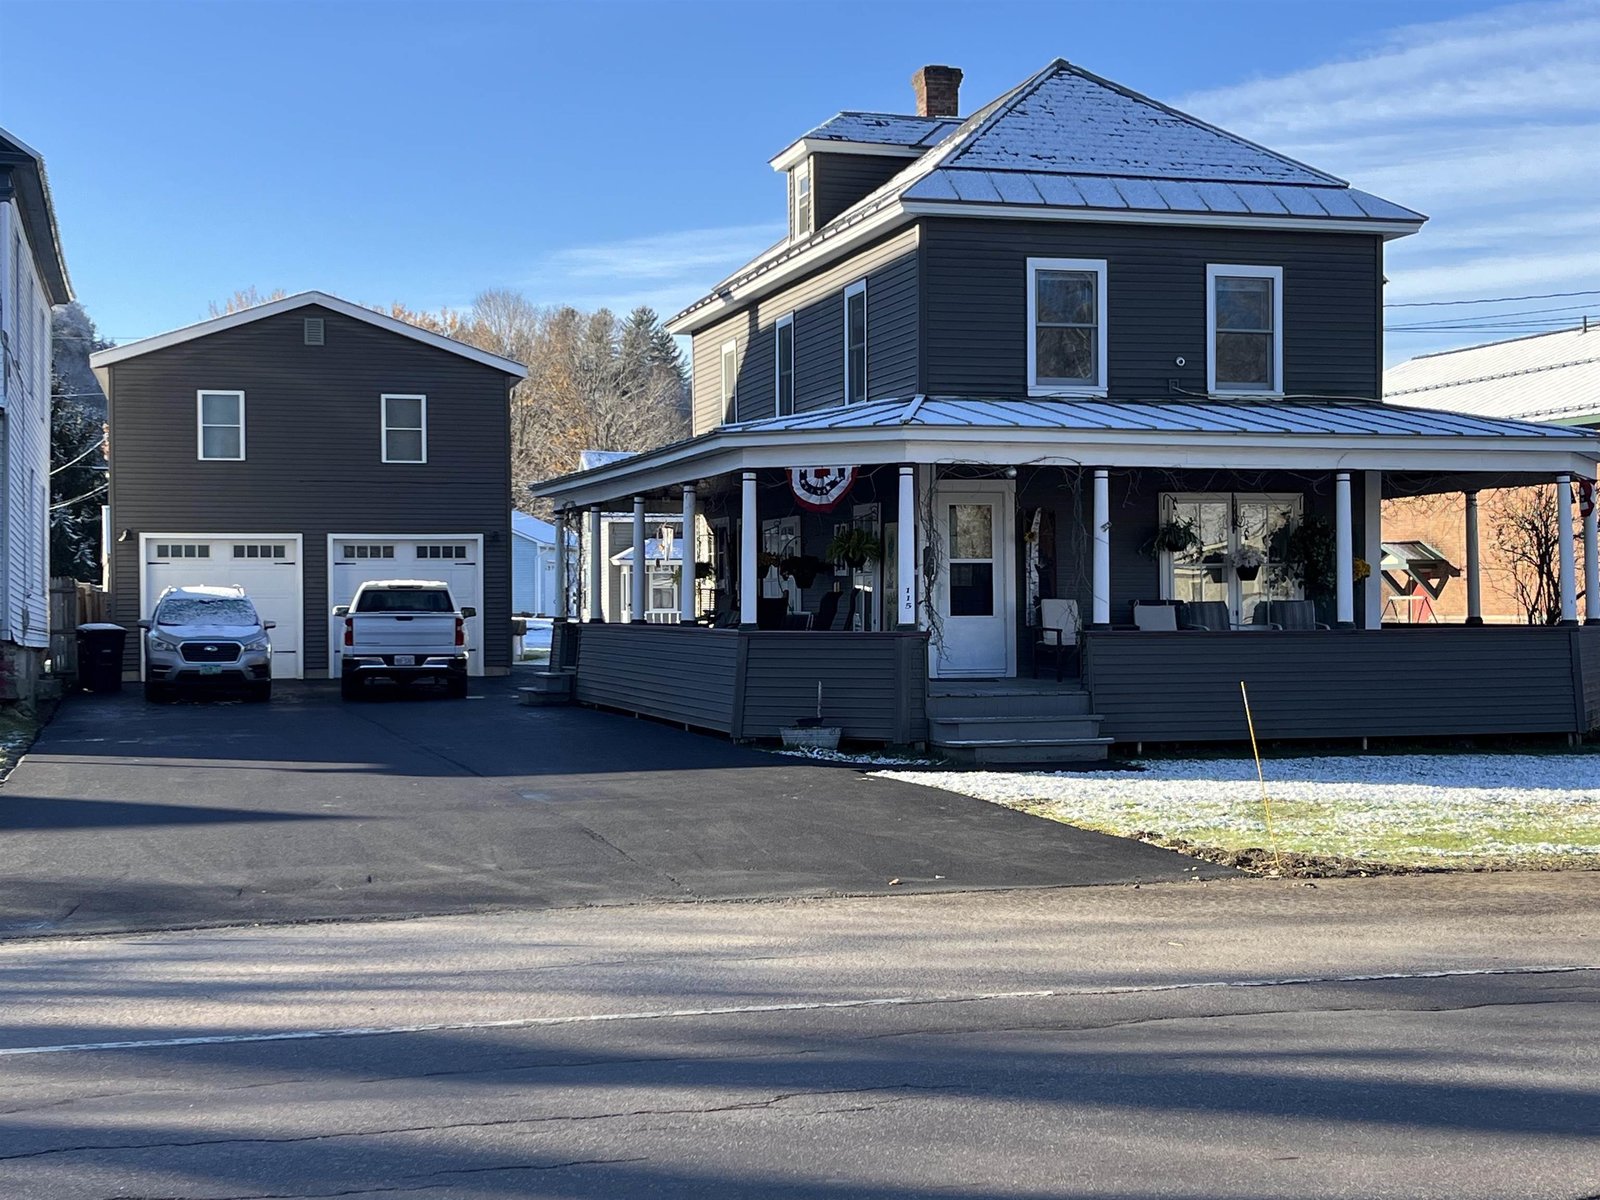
(976, 318)
(890, 269)
(1394, 682)
(313, 455)
(839, 180)
(865, 688)
(677, 674)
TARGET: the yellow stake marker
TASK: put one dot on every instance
(1266, 801)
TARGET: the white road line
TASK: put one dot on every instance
(666, 1014)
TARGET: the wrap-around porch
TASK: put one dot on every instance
(954, 543)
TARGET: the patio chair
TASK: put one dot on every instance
(1210, 615)
(1156, 618)
(1058, 632)
(827, 609)
(1288, 614)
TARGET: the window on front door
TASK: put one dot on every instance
(971, 534)
(1226, 523)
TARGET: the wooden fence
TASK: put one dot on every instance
(72, 604)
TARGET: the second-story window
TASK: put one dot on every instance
(1244, 317)
(730, 381)
(222, 426)
(405, 429)
(783, 352)
(802, 199)
(1066, 326)
(855, 342)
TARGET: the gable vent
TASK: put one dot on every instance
(313, 331)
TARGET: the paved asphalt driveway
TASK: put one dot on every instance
(133, 816)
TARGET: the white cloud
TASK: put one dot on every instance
(666, 271)
(1487, 123)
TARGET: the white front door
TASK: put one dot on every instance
(977, 602)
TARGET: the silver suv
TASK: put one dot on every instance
(206, 635)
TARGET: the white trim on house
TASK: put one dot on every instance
(476, 654)
(1096, 387)
(1216, 271)
(105, 358)
(784, 322)
(385, 426)
(846, 233)
(201, 425)
(146, 601)
(803, 171)
(806, 146)
(858, 288)
(728, 380)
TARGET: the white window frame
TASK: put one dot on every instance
(201, 426)
(858, 288)
(804, 172)
(784, 322)
(728, 381)
(1098, 387)
(1215, 271)
(1169, 502)
(383, 420)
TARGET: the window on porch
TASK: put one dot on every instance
(1226, 523)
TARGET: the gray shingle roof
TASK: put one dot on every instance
(884, 129)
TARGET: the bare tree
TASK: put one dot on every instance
(1523, 529)
(245, 298)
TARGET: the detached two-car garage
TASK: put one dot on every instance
(273, 569)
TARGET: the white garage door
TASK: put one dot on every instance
(456, 559)
(266, 565)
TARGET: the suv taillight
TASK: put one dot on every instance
(349, 632)
(461, 632)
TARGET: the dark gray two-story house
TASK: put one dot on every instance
(1085, 378)
(300, 448)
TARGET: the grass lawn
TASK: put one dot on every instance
(1460, 810)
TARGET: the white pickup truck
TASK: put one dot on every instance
(403, 630)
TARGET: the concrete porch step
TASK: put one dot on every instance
(1001, 751)
(547, 687)
(944, 728)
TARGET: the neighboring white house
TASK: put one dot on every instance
(533, 565)
(33, 278)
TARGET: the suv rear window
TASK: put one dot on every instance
(381, 600)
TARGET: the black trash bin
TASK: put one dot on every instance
(100, 657)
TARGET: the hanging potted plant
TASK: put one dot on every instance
(802, 568)
(1246, 562)
(766, 560)
(855, 547)
(1361, 569)
(1175, 537)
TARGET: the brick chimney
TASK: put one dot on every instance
(938, 91)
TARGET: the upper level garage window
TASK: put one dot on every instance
(221, 425)
(405, 429)
(1066, 326)
(1244, 315)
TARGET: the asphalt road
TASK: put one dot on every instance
(1417, 1037)
(134, 816)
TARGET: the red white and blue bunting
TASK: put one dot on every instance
(820, 488)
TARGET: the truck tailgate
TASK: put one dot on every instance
(404, 633)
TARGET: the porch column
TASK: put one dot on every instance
(1474, 574)
(1100, 590)
(686, 612)
(1591, 562)
(1372, 538)
(905, 567)
(749, 536)
(1344, 567)
(1569, 564)
(561, 610)
(639, 571)
(596, 565)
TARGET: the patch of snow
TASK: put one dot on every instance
(817, 754)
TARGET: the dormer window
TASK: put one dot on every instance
(802, 199)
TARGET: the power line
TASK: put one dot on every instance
(1490, 300)
(1515, 312)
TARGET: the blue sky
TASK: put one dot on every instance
(611, 153)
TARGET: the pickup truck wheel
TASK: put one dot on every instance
(455, 686)
(350, 687)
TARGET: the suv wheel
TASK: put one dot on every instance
(154, 692)
(260, 691)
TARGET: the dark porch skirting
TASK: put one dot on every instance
(752, 683)
(1413, 682)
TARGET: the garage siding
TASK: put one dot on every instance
(313, 465)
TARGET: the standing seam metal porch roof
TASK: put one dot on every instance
(1154, 416)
